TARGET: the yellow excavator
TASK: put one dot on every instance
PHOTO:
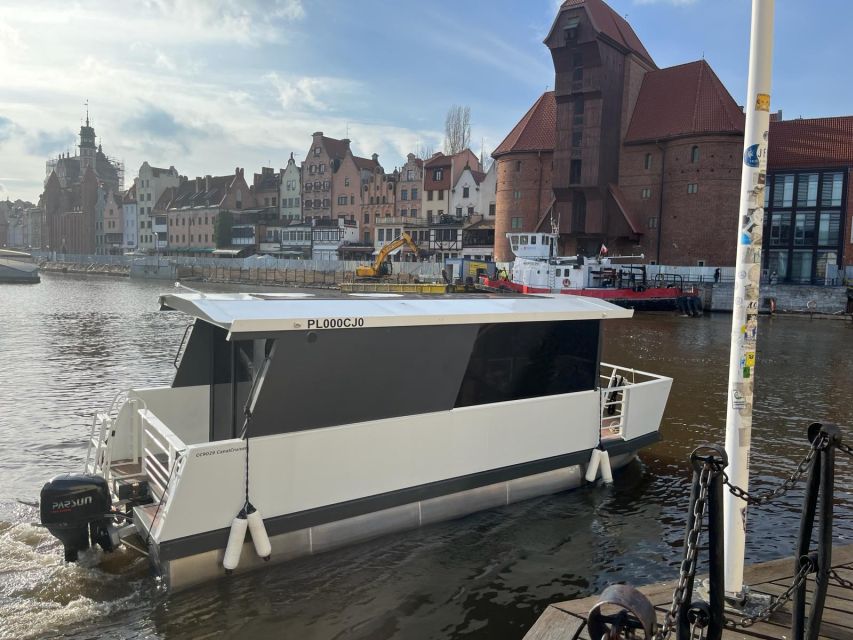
(382, 266)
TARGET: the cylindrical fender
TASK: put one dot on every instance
(235, 542)
(606, 471)
(592, 467)
(259, 533)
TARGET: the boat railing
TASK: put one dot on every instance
(161, 451)
(615, 389)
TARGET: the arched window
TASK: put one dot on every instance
(694, 154)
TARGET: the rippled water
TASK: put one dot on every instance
(70, 343)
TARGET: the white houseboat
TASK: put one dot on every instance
(317, 423)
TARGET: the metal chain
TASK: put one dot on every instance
(758, 500)
(689, 563)
(847, 584)
(777, 603)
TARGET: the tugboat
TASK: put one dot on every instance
(537, 269)
(291, 428)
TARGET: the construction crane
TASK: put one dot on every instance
(380, 267)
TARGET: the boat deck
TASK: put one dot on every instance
(567, 620)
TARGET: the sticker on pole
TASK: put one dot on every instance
(750, 156)
(762, 102)
(738, 398)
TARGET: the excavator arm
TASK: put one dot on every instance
(375, 270)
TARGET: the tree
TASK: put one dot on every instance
(457, 129)
(222, 230)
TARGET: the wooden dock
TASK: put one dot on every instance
(567, 620)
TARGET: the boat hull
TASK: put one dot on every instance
(191, 569)
(641, 298)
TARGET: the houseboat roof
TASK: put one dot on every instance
(259, 313)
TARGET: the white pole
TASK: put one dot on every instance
(747, 276)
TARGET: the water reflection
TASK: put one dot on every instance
(69, 344)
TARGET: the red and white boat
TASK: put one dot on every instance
(617, 279)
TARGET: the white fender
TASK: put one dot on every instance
(592, 467)
(259, 533)
(235, 542)
(606, 471)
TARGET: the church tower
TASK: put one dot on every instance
(87, 145)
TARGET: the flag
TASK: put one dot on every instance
(603, 250)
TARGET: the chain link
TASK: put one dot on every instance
(758, 500)
(777, 603)
(689, 563)
(847, 584)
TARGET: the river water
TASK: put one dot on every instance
(70, 343)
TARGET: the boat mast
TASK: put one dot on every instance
(747, 277)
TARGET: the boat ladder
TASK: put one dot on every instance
(613, 406)
(99, 452)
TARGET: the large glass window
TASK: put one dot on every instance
(801, 266)
(807, 190)
(829, 228)
(830, 194)
(804, 229)
(527, 360)
(777, 263)
(825, 265)
(783, 191)
(780, 229)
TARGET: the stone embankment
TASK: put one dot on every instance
(786, 298)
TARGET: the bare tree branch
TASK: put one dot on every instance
(457, 129)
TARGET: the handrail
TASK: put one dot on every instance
(157, 439)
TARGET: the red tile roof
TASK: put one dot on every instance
(684, 100)
(365, 164)
(438, 159)
(607, 21)
(334, 147)
(816, 142)
(536, 131)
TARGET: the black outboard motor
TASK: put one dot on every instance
(75, 508)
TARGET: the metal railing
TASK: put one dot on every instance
(706, 618)
(161, 451)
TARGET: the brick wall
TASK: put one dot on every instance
(532, 181)
(693, 226)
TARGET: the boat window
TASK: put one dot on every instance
(513, 361)
(532, 239)
(523, 239)
(558, 272)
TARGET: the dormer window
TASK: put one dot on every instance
(571, 29)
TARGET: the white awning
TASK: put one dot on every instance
(257, 313)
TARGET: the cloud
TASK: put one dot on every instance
(7, 128)
(317, 93)
(154, 124)
(49, 143)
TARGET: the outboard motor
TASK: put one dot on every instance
(75, 509)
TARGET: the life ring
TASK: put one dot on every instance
(566, 282)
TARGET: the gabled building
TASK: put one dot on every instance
(290, 194)
(266, 189)
(194, 207)
(440, 174)
(465, 194)
(323, 160)
(150, 185)
(113, 236)
(130, 219)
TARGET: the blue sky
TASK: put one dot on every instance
(207, 85)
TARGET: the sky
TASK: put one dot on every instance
(210, 85)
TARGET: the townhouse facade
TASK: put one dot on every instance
(130, 221)
(290, 194)
(150, 185)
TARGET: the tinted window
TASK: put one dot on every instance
(527, 360)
